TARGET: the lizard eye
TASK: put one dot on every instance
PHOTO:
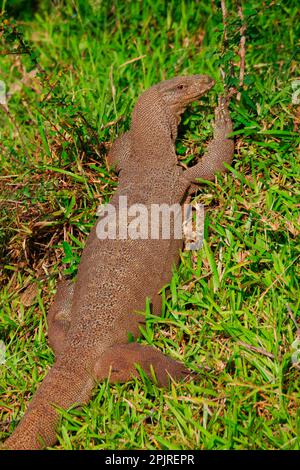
(180, 87)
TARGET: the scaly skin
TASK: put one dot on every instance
(90, 322)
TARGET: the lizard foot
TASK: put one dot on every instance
(223, 123)
(119, 362)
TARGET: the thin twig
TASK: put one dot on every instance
(293, 319)
(255, 349)
(111, 123)
(224, 14)
(11, 201)
(242, 51)
(131, 61)
(50, 90)
(8, 176)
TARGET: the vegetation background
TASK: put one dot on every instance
(72, 71)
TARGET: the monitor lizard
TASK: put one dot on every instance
(90, 321)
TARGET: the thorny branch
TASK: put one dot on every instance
(242, 50)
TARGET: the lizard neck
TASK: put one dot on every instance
(153, 132)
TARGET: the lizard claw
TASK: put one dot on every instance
(222, 115)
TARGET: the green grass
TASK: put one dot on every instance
(231, 308)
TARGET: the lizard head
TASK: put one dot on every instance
(178, 92)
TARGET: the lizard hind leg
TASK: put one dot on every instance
(59, 316)
(118, 363)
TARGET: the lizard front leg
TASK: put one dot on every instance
(219, 151)
(119, 153)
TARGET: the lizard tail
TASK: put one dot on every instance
(60, 388)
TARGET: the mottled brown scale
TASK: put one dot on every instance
(91, 321)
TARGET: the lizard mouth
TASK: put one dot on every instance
(202, 86)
